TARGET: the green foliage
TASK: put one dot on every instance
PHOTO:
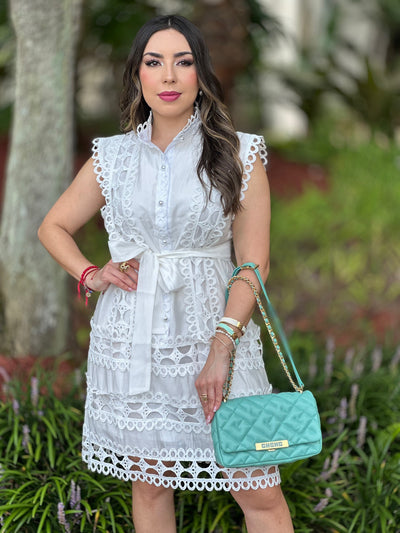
(42, 480)
(352, 486)
(113, 25)
(369, 91)
(337, 250)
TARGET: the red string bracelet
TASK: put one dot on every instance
(82, 282)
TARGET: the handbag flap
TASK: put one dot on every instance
(268, 423)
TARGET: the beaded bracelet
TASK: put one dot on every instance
(234, 342)
(241, 327)
(230, 350)
(82, 282)
(232, 334)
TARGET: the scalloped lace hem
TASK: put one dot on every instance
(176, 470)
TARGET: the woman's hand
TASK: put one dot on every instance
(211, 379)
(111, 274)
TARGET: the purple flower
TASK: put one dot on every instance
(324, 501)
(395, 360)
(75, 498)
(335, 460)
(343, 409)
(325, 470)
(34, 391)
(61, 518)
(72, 500)
(334, 465)
(342, 413)
(362, 431)
(329, 367)
(25, 438)
(349, 357)
(312, 369)
(4, 374)
(78, 498)
(321, 505)
(376, 359)
(15, 406)
(358, 369)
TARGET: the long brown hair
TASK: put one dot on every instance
(220, 155)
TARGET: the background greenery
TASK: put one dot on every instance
(352, 486)
(335, 252)
(335, 258)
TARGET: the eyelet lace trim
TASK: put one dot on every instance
(143, 130)
(257, 146)
(151, 411)
(104, 154)
(194, 469)
(170, 358)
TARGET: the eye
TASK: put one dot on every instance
(151, 62)
(186, 62)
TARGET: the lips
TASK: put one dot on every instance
(169, 96)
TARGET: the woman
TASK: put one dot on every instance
(174, 190)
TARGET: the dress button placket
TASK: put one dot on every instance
(161, 210)
(161, 203)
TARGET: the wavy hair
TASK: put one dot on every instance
(219, 159)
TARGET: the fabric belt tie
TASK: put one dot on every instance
(156, 269)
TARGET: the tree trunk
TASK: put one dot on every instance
(33, 303)
(224, 25)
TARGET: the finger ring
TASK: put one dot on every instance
(204, 398)
(124, 266)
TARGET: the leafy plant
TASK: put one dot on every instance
(334, 254)
(352, 486)
(332, 64)
(43, 485)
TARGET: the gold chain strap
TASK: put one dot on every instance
(271, 333)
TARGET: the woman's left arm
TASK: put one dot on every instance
(251, 243)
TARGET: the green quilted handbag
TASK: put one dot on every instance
(269, 429)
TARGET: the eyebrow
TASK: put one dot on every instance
(160, 56)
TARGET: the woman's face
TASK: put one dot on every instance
(168, 75)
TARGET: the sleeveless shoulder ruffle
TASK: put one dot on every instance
(250, 146)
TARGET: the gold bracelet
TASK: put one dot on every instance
(227, 335)
(233, 322)
(222, 342)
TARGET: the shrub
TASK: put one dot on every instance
(352, 486)
(43, 485)
(336, 252)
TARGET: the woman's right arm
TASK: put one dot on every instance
(76, 206)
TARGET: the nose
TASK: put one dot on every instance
(169, 74)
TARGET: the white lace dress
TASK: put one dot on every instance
(143, 418)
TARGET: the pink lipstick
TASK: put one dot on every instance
(169, 96)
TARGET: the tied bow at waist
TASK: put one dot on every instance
(156, 269)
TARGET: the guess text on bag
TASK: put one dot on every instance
(272, 445)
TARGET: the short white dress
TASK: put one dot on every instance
(143, 418)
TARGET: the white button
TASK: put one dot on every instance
(181, 137)
(163, 167)
(164, 241)
(160, 202)
(165, 318)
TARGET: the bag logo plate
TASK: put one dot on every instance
(272, 445)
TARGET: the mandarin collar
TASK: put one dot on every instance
(144, 130)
